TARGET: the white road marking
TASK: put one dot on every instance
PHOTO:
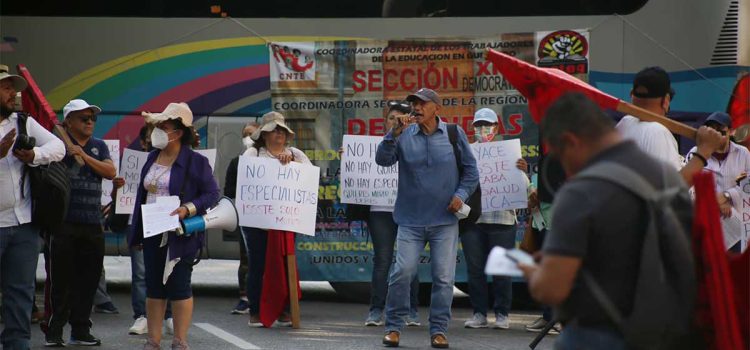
(226, 336)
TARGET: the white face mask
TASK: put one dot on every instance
(248, 141)
(160, 138)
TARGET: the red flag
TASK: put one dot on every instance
(275, 293)
(739, 103)
(34, 103)
(739, 266)
(543, 86)
(716, 312)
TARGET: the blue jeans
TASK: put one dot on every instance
(19, 252)
(138, 285)
(478, 240)
(383, 232)
(584, 338)
(410, 242)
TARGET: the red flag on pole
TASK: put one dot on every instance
(34, 102)
(543, 86)
(716, 312)
(275, 293)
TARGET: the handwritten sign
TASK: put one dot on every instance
(743, 212)
(503, 185)
(114, 153)
(130, 170)
(278, 197)
(363, 181)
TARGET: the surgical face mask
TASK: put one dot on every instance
(484, 133)
(160, 138)
(248, 141)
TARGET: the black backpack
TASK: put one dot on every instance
(666, 286)
(50, 188)
(475, 200)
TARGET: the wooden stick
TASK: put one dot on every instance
(291, 272)
(63, 135)
(648, 116)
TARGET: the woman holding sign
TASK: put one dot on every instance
(270, 141)
(172, 169)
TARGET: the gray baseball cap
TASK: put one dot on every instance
(424, 94)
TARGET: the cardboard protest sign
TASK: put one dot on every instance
(275, 196)
(503, 185)
(130, 170)
(363, 181)
(741, 211)
(114, 153)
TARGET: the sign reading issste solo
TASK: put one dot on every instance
(362, 180)
(277, 197)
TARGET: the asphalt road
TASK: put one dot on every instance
(327, 322)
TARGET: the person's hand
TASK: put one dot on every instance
(533, 200)
(725, 207)
(7, 142)
(285, 158)
(456, 204)
(118, 182)
(528, 270)
(708, 141)
(182, 212)
(403, 120)
(76, 150)
(522, 165)
(24, 155)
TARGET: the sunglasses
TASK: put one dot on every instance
(86, 119)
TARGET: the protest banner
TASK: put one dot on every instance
(130, 170)
(503, 185)
(273, 196)
(742, 211)
(362, 180)
(114, 153)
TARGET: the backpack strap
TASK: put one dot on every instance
(21, 121)
(453, 138)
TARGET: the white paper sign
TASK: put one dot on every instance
(130, 170)
(156, 218)
(498, 264)
(363, 181)
(114, 153)
(503, 185)
(278, 197)
(210, 154)
(743, 210)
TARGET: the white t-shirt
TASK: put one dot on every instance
(652, 138)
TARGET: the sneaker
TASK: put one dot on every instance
(140, 326)
(85, 340)
(537, 325)
(284, 320)
(169, 326)
(413, 321)
(242, 308)
(556, 329)
(151, 345)
(476, 321)
(254, 321)
(54, 341)
(106, 308)
(374, 318)
(501, 322)
(180, 345)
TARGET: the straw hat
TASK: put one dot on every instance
(269, 122)
(180, 111)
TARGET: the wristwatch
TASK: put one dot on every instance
(727, 196)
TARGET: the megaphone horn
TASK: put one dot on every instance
(222, 216)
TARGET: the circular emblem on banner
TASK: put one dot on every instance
(564, 49)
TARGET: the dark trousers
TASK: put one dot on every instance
(256, 241)
(76, 258)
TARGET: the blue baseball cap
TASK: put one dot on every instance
(719, 117)
(424, 94)
(486, 115)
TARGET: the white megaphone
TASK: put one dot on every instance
(222, 216)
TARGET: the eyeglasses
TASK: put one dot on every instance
(87, 118)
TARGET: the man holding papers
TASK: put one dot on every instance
(178, 182)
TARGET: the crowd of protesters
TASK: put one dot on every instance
(594, 231)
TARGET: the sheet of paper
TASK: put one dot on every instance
(156, 218)
(732, 228)
(498, 264)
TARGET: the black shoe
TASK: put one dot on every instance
(85, 340)
(54, 341)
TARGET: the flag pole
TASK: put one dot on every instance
(648, 116)
(291, 273)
